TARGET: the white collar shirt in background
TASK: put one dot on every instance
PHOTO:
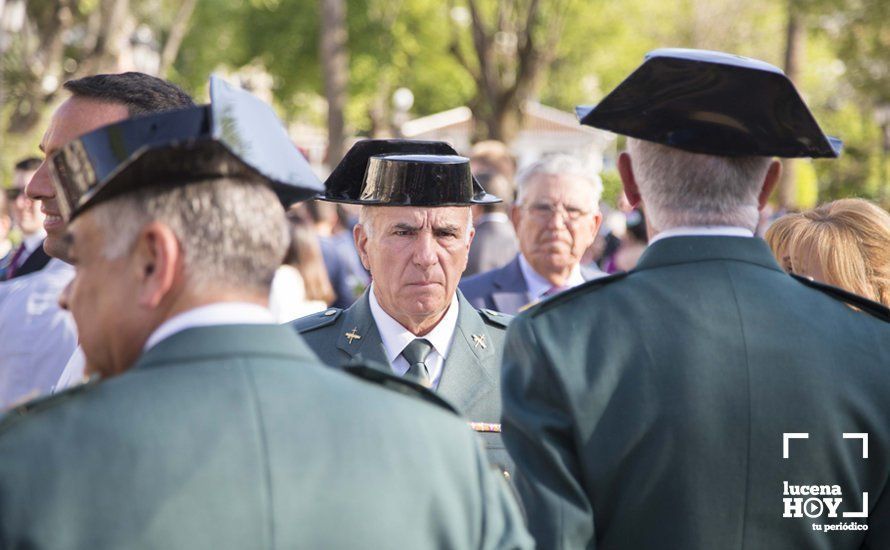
(703, 231)
(538, 285)
(31, 242)
(37, 337)
(395, 338)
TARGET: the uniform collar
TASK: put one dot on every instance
(537, 285)
(395, 337)
(223, 313)
(689, 249)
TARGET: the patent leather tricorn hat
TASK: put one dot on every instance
(713, 103)
(235, 136)
(404, 172)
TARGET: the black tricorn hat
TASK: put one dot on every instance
(712, 103)
(404, 172)
(236, 136)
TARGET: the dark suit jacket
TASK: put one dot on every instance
(647, 410)
(504, 289)
(36, 261)
(237, 437)
(470, 378)
(493, 246)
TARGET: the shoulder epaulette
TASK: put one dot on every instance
(495, 318)
(872, 308)
(42, 403)
(569, 294)
(316, 320)
(397, 384)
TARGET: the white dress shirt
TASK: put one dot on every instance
(703, 231)
(396, 337)
(538, 285)
(30, 244)
(36, 336)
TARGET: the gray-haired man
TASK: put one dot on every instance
(556, 216)
(653, 409)
(212, 426)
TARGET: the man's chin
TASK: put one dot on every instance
(57, 248)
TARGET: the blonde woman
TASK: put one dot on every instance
(779, 235)
(845, 243)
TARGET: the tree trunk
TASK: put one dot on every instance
(335, 67)
(795, 35)
(177, 34)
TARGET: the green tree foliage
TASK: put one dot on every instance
(844, 70)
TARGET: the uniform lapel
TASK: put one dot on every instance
(511, 292)
(466, 375)
(688, 249)
(357, 320)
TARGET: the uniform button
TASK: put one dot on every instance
(330, 312)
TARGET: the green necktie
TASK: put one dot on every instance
(416, 353)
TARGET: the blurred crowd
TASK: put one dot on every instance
(842, 243)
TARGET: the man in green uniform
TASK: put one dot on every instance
(706, 399)
(211, 426)
(414, 236)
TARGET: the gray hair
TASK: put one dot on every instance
(366, 218)
(689, 189)
(559, 165)
(233, 233)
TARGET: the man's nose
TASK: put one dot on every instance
(425, 250)
(40, 186)
(558, 219)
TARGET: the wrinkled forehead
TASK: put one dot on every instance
(419, 216)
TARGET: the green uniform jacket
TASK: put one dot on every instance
(237, 437)
(647, 410)
(470, 378)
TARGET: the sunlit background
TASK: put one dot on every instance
(337, 70)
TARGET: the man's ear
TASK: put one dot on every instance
(773, 173)
(361, 244)
(159, 261)
(628, 180)
(597, 222)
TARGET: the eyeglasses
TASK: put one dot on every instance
(544, 211)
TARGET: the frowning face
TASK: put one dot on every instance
(416, 256)
(556, 222)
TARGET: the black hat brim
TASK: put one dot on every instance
(236, 137)
(346, 181)
(712, 103)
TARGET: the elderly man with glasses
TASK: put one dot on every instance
(556, 216)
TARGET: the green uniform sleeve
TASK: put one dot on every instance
(538, 433)
(503, 526)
